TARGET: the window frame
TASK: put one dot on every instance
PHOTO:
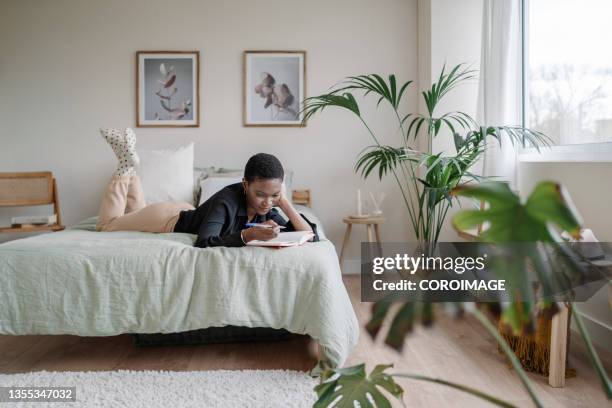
(579, 152)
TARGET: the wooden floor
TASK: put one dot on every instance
(459, 351)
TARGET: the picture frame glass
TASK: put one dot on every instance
(274, 88)
(168, 89)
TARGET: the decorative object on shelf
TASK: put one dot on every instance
(29, 189)
(168, 88)
(377, 203)
(360, 214)
(274, 85)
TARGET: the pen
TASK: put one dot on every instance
(254, 224)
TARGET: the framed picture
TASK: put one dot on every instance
(168, 88)
(274, 84)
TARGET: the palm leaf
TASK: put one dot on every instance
(401, 93)
(374, 83)
(385, 158)
(316, 104)
(444, 84)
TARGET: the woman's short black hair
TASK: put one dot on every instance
(263, 166)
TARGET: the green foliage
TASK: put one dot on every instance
(385, 158)
(509, 220)
(444, 84)
(317, 104)
(403, 321)
(429, 183)
(512, 221)
(345, 386)
(376, 84)
(425, 179)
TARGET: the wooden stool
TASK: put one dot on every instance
(371, 223)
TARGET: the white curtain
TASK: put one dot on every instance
(499, 94)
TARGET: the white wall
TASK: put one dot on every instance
(451, 36)
(68, 67)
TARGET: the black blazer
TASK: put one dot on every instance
(219, 220)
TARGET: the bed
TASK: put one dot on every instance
(88, 283)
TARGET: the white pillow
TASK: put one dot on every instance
(210, 185)
(167, 175)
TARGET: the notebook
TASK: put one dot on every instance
(285, 239)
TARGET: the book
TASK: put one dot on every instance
(34, 219)
(285, 239)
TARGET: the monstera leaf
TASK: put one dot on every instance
(510, 220)
(404, 319)
(345, 386)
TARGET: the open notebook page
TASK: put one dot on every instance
(292, 238)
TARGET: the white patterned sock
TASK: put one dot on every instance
(123, 143)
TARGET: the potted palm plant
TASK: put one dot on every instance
(424, 178)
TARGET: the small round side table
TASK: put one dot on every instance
(371, 223)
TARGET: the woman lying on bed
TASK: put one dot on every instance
(219, 221)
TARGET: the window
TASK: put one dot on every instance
(568, 69)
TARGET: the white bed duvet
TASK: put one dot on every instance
(89, 283)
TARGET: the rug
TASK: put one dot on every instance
(219, 388)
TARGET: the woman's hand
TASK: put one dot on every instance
(283, 200)
(261, 233)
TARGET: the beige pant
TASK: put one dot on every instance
(123, 208)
